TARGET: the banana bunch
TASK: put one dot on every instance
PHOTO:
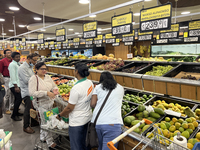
(149, 49)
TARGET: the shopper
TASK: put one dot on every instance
(43, 89)
(108, 125)
(78, 108)
(14, 85)
(25, 72)
(2, 94)
(4, 63)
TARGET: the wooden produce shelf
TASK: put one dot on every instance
(128, 82)
(137, 83)
(188, 91)
(173, 89)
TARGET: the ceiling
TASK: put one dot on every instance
(60, 10)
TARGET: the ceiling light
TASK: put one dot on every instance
(98, 32)
(133, 22)
(42, 30)
(3, 33)
(185, 13)
(136, 14)
(11, 30)
(99, 29)
(21, 26)
(80, 35)
(84, 1)
(13, 8)
(37, 18)
(71, 29)
(76, 32)
(92, 16)
(1, 19)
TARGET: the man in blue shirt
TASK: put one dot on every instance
(14, 85)
(25, 72)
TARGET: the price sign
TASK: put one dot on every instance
(23, 41)
(60, 35)
(42, 45)
(90, 30)
(17, 42)
(172, 33)
(191, 39)
(28, 46)
(11, 44)
(161, 41)
(128, 37)
(128, 43)
(76, 41)
(46, 44)
(1, 46)
(156, 18)
(38, 46)
(32, 46)
(5, 45)
(145, 36)
(110, 38)
(59, 45)
(40, 38)
(130, 55)
(194, 28)
(89, 41)
(122, 24)
(98, 40)
(117, 42)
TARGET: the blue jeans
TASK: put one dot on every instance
(107, 133)
(77, 136)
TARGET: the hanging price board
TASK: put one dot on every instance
(89, 41)
(90, 30)
(122, 24)
(194, 28)
(38, 46)
(191, 39)
(42, 45)
(11, 44)
(32, 46)
(156, 18)
(117, 42)
(65, 44)
(23, 41)
(98, 41)
(109, 38)
(28, 46)
(5, 45)
(40, 38)
(17, 42)
(145, 36)
(76, 41)
(1, 46)
(172, 33)
(46, 44)
(59, 45)
(60, 35)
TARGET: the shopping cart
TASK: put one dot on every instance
(45, 110)
(157, 141)
(5, 143)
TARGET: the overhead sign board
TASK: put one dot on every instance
(17, 42)
(194, 28)
(109, 38)
(90, 30)
(156, 18)
(122, 24)
(23, 41)
(117, 42)
(40, 38)
(145, 36)
(76, 41)
(60, 35)
(172, 33)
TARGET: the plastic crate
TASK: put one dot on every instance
(196, 146)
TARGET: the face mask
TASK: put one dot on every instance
(31, 64)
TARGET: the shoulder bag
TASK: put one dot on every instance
(91, 136)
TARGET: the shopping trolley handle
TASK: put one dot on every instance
(111, 146)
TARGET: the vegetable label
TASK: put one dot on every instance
(122, 24)
(90, 30)
(156, 18)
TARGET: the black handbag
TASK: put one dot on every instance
(91, 136)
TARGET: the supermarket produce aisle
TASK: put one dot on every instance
(20, 140)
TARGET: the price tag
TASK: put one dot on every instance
(130, 55)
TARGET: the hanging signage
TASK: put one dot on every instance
(46, 44)
(5, 45)
(51, 45)
(122, 24)
(117, 42)
(24, 47)
(98, 40)
(23, 41)
(60, 35)
(65, 44)
(161, 41)
(17, 42)
(194, 28)
(76, 41)
(32, 46)
(191, 39)
(172, 33)
(11, 44)
(1, 46)
(38, 46)
(28, 46)
(59, 45)
(109, 38)
(156, 18)
(90, 30)
(40, 38)
(145, 36)
(42, 45)
(128, 38)
(89, 41)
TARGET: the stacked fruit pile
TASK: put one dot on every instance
(137, 99)
(126, 108)
(193, 141)
(190, 77)
(159, 70)
(90, 64)
(60, 61)
(112, 65)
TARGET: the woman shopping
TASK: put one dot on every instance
(43, 89)
(108, 125)
(78, 108)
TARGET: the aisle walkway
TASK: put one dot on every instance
(20, 139)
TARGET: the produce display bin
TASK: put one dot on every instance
(132, 107)
(76, 62)
(70, 61)
(193, 135)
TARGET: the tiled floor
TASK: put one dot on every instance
(20, 139)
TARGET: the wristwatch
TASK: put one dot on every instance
(59, 116)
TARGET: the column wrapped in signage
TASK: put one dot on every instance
(109, 38)
(170, 34)
(76, 42)
(122, 24)
(146, 36)
(117, 42)
(156, 18)
(90, 30)
(23, 41)
(60, 35)
(40, 38)
(17, 42)
(128, 38)
(194, 28)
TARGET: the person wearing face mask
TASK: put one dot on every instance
(25, 72)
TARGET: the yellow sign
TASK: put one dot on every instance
(42, 44)
(17, 41)
(157, 37)
(66, 41)
(185, 34)
(156, 13)
(58, 43)
(89, 40)
(76, 40)
(90, 26)
(11, 42)
(117, 40)
(145, 33)
(99, 37)
(38, 45)
(60, 32)
(109, 36)
(174, 28)
(194, 25)
(126, 35)
(40, 36)
(23, 40)
(52, 43)
(32, 45)
(28, 45)
(49, 113)
(122, 20)
(46, 43)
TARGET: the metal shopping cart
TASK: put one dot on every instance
(45, 110)
(154, 140)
